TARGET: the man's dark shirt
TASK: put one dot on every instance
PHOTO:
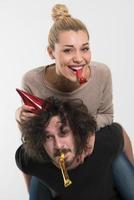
(91, 180)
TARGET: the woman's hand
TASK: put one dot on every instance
(24, 113)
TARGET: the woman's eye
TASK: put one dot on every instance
(67, 50)
(85, 49)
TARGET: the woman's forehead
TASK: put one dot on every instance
(68, 37)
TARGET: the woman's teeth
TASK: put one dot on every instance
(76, 68)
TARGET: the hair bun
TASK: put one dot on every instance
(60, 11)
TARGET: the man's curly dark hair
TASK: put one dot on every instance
(73, 112)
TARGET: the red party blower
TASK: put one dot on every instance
(80, 78)
(31, 100)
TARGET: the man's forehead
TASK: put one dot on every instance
(55, 121)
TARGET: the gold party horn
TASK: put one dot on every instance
(66, 179)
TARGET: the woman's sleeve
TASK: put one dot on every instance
(105, 112)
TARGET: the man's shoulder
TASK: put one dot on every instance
(111, 138)
(27, 160)
(113, 130)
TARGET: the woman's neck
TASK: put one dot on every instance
(59, 82)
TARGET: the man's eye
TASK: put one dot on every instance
(49, 137)
(65, 131)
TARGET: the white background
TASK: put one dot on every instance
(24, 26)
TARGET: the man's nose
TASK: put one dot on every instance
(58, 143)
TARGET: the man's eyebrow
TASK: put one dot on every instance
(46, 132)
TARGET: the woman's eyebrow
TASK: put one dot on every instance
(87, 43)
(69, 45)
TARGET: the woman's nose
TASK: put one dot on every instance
(77, 57)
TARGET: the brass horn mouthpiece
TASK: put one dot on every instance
(66, 179)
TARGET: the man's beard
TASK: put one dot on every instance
(68, 162)
(59, 151)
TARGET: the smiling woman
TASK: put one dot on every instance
(72, 75)
(72, 55)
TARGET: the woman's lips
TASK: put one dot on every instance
(76, 67)
(80, 77)
(78, 71)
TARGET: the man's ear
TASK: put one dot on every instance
(50, 52)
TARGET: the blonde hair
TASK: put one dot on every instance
(63, 22)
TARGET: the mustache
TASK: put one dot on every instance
(59, 151)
